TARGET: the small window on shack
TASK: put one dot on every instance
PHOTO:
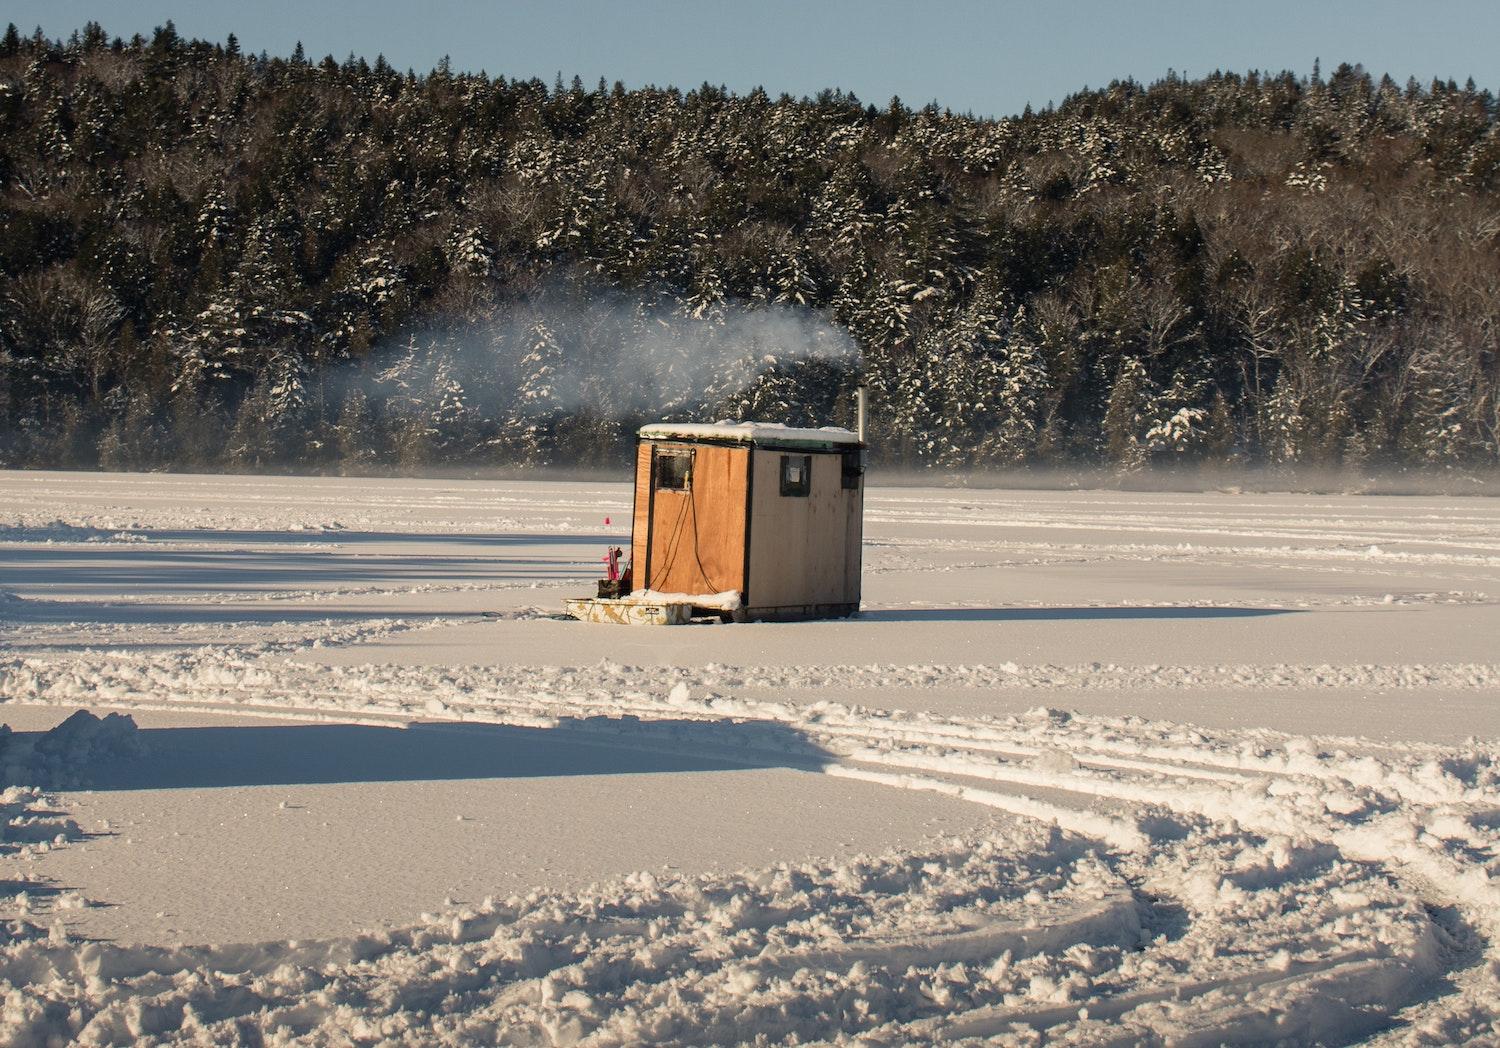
(854, 468)
(674, 470)
(796, 475)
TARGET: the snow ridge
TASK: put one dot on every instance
(1176, 883)
(1021, 933)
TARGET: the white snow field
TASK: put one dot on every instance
(1093, 768)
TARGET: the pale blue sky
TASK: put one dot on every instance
(991, 58)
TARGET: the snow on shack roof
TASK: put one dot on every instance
(759, 434)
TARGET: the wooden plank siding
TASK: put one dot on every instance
(641, 515)
(697, 536)
(801, 553)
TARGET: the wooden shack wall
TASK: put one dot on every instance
(692, 541)
(804, 551)
(640, 514)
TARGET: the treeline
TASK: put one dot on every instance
(210, 259)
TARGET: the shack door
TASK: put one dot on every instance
(690, 515)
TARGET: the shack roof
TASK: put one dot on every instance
(755, 434)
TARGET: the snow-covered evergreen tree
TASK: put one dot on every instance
(355, 443)
(526, 428)
(1179, 427)
(1021, 385)
(233, 212)
(1124, 415)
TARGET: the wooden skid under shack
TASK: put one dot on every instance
(628, 613)
(635, 612)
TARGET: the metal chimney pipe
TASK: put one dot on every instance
(859, 400)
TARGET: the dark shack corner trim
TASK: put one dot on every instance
(635, 495)
(856, 551)
(749, 517)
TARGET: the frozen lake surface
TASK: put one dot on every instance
(1091, 767)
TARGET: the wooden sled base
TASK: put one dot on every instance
(678, 613)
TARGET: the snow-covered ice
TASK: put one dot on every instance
(1091, 767)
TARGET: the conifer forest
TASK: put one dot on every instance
(215, 260)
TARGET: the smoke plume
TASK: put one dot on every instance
(568, 349)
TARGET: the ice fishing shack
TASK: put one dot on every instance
(749, 520)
